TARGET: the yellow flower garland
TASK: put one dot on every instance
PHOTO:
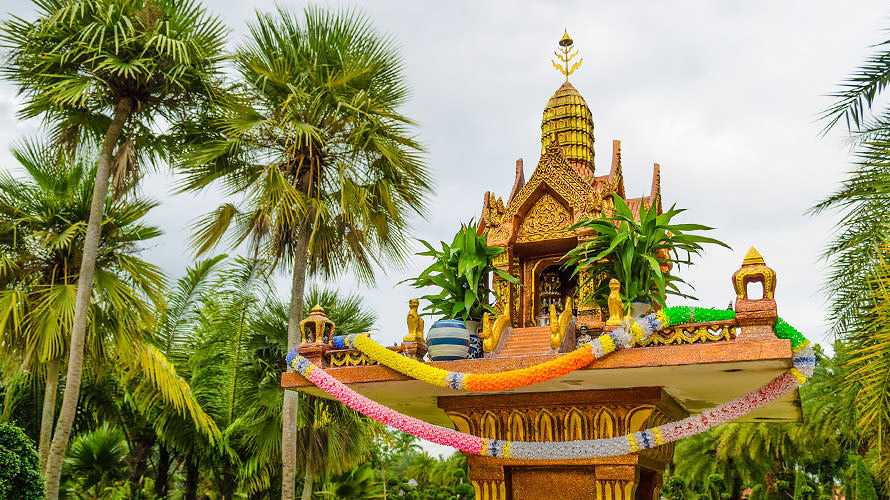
(479, 382)
(399, 363)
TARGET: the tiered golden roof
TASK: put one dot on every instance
(568, 121)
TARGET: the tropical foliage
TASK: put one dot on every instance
(107, 72)
(43, 217)
(19, 466)
(638, 250)
(461, 272)
(858, 253)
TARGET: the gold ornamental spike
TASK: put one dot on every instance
(752, 257)
(565, 54)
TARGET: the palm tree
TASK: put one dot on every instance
(42, 228)
(239, 343)
(313, 140)
(108, 70)
(360, 483)
(331, 439)
(95, 460)
(858, 281)
(42, 221)
(174, 336)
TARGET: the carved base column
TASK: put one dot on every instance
(566, 416)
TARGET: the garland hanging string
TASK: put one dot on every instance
(633, 330)
(588, 448)
(803, 365)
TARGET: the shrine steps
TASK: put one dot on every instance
(530, 341)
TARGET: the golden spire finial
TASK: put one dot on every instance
(566, 54)
(752, 257)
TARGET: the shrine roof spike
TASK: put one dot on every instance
(655, 193)
(752, 257)
(483, 225)
(519, 180)
(616, 158)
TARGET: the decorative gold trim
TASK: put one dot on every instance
(548, 219)
(692, 333)
(751, 273)
(349, 357)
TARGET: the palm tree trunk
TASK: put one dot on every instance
(47, 417)
(191, 479)
(383, 474)
(291, 399)
(227, 486)
(137, 464)
(122, 112)
(162, 478)
(307, 484)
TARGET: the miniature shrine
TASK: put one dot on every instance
(568, 396)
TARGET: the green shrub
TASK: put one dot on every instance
(20, 477)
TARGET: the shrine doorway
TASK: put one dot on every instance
(553, 284)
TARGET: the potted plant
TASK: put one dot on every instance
(460, 271)
(639, 252)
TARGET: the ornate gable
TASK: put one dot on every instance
(547, 219)
(553, 184)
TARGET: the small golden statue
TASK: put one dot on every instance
(616, 305)
(559, 324)
(492, 331)
(415, 323)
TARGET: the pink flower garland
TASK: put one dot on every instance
(731, 410)
(392, 418)
(648, 438)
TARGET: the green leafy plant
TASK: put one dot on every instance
(632, 250)
(19, 466)
(460, 271)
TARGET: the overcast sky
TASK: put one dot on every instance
(724, 95)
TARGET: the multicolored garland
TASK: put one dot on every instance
(803, 365)
(620, 338)
(480, 382)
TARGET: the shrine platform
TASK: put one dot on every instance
(697, 376)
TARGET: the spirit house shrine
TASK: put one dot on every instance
(549, 410)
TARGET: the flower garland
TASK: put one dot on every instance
(621, 337)
(803, 362)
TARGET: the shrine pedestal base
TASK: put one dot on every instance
(566, 416)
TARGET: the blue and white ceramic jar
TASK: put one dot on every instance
(475, 341)
(448, 339)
